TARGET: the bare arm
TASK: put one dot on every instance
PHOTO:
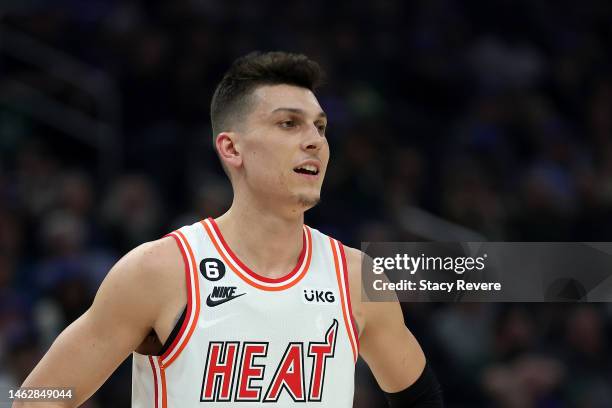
(386, 344)
(122, 314)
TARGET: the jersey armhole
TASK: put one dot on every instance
(185, 326)
(175, 331)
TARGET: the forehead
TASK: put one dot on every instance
(268, 98)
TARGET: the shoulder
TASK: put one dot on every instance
(144, 280)
(354, 258)
(152, 261)
(355, 261)
(366, 311)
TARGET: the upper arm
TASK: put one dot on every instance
(122, 314)
(388, 347)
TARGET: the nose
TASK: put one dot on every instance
(313, 140)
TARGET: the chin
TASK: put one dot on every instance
(308, 201)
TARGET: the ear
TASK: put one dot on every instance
(229, 149)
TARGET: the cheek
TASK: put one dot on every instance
(267, 165)
(325, 155)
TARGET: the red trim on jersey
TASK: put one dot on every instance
(348, 293)
(195, 282)
(252, 273)
(154, 379)
(193, 304)
(189, 303)
(251, 279)
(345, 313)
(163, 385)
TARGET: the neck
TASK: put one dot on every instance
(268, 243)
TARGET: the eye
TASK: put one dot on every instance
(287, 124)
(322, 128)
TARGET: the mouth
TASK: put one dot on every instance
(309, 169)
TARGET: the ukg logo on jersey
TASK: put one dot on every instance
(318, 296)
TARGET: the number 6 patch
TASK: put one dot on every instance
(212, 269)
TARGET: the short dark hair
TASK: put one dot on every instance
(231, 98)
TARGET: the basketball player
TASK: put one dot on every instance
(253, 307)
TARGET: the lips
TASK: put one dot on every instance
(310, 168)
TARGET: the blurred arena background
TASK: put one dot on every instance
(449, 120)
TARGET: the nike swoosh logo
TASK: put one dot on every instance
(216, 302)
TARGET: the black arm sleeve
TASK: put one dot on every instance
(424, 393)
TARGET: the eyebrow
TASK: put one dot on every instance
(299, 111)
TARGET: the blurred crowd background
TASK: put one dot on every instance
(449, 120)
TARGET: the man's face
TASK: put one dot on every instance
(285, 152)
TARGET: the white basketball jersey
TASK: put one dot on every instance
(247, 340)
